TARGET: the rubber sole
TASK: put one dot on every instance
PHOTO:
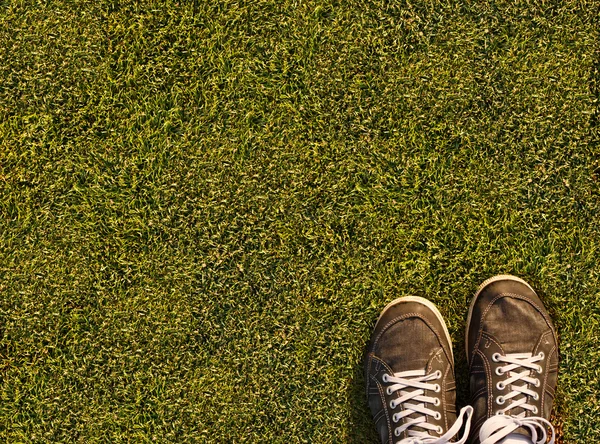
(500, 277)
(427, 304)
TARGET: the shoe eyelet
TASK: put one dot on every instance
(499, 412)
(389, 391)
(437, 402)
(438, 416)
(500, 400)
(395, 418)
(385, 377)
(539, 369)
(535, 410)
(541, 355)
(499, 371)
(392, 404)
(496, 357)
(437, 388)
(438, 374)
(537, 382)
(500, 386)
(536, 397)
(440, 430)
(397, 431)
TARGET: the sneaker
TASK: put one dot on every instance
(512, 352)
(409, 373)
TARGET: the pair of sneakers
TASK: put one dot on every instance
(512, 352)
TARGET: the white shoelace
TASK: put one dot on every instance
(519, 367)
(417, 381)
(499, 427)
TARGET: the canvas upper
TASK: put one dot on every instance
(410, 345)
(512, 350)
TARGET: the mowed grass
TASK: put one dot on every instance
(205, 205)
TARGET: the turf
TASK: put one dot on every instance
(205, 205)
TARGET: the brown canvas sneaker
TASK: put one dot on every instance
(409, 373)
(512, 350)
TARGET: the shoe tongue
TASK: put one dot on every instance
(521, 334)
(414, 351)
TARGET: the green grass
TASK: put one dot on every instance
(205, 205)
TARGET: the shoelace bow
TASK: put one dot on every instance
(498, 427)
(417, 380)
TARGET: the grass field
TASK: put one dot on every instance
(205, 205)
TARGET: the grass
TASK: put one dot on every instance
(205, 205)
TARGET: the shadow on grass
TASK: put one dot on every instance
(461, 374)
(361, 429)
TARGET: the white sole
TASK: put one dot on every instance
(500, 277)
(429, 305)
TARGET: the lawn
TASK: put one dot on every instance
(205, 205)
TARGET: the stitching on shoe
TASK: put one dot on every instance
(488, 381)
(443, 385)
(548, 366)
(444, 400)
(546, 373)
(385, 407)
(490, 337)
(379, 415)
(542, 336)
(476, 426)
(433, 354)
(391, 372)
(477, 394)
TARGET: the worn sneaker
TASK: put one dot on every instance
(409, 373)
(512, 351)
